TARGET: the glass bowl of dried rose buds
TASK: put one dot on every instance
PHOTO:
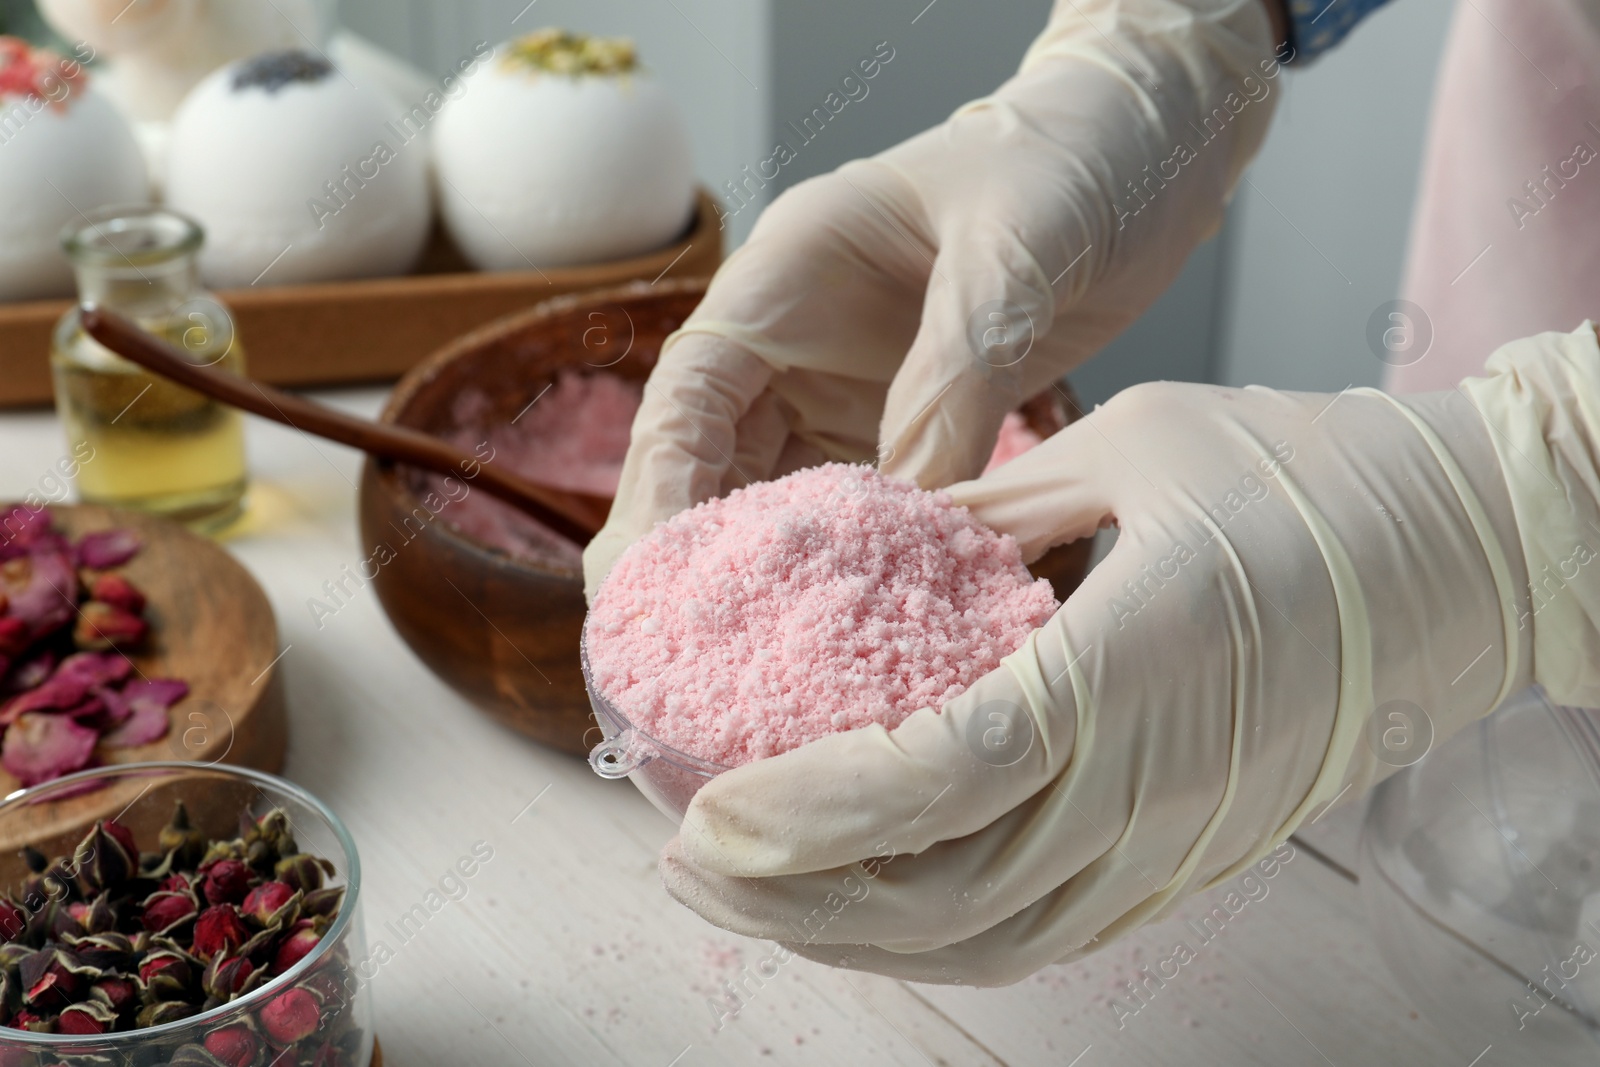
(210, 916)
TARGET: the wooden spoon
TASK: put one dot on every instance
(576, 516)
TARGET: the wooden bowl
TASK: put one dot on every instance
(211, 626)
(504, 632)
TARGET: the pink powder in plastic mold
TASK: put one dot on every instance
(825, 601)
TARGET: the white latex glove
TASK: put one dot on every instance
(916, 297)
(1287, 564)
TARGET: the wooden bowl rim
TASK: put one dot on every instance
(423, 374)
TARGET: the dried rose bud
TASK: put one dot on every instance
(181, 837)
(27, 1020)
(302, 871)
(109, 950)
(226, 882)
(163, 1012)
(103, 861)
(272, 830)
(12, 920)
(117, 591)
(165, 910)
(90, 1017)
(226, 976)
(176, 883)
(115, 992)
(219, 929)
(96, 916)
(301, 939)
(124, 837)
(235, 1046)
(102, 626)
(166, 974)
(50, 980)
(291, 1017)
(268, 901)
(324, 903)
(52, 921)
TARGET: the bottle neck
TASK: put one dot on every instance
(148, 292)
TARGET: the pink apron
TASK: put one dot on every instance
(1505, 239)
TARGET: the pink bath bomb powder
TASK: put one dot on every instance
(573, 436)
(825, 601)
(1015, 438)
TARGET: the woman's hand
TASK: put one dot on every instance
(914, 298)
(1307, 591)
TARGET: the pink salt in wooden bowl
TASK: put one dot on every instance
(503, 631)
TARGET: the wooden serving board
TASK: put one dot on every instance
(210, 625)
(373, 329)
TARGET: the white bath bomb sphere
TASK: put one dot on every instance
(559, 151)
(63, 149)
(295, 171)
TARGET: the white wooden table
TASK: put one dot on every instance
(565, 949)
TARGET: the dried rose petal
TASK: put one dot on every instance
(29, 673)
(107, 548)
(235, 1046)
(23, 526)
(117, 591)
(39, 747)
(95, 669)
(12, 920)
(54, 694)
(15, 635)
(149, 700)
(114, 710)
(102, 626)
(43, 590)
(219, 929)
(290, 1017)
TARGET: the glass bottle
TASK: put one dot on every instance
(152, 445)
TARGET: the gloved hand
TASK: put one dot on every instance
(1287, 564)
(916, 297)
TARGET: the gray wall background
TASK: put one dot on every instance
(1313, 244)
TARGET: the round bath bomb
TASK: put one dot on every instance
(297, 174)
(562, 150)
(63, 149)
(829, 600)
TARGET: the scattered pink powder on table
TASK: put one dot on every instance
(825, 601)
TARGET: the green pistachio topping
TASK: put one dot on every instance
(561, 52)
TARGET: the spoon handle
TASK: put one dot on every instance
(575, 516)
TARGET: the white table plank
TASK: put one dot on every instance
(563, 949)
(1292, 978)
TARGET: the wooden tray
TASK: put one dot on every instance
(212, 626)
(371, 330)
